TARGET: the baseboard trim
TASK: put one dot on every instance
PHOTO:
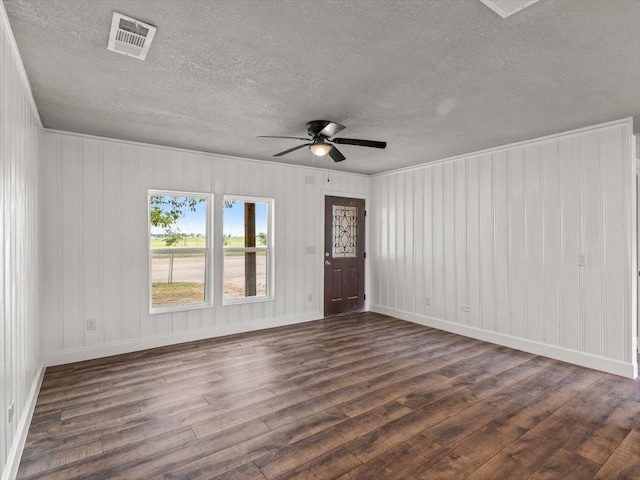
(107, 350)
(616, 367)
(15, 453)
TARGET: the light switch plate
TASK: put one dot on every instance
(582, 259)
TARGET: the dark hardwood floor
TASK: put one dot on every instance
(358, 397)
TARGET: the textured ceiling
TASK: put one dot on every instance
(433, 78)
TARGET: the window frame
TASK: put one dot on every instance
(207, 250)
(269, 250)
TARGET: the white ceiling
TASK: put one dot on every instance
(433, 78)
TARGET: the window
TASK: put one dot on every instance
(248, 249)
(179, 250)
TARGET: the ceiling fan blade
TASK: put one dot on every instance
(292, 149)
(276, 136)
(331, 129)
(335, 154)
(360, 143)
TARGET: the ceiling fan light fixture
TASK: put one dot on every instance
(320, 149)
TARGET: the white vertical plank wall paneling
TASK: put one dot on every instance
(96, 248)
(497, 239)
(21, 356)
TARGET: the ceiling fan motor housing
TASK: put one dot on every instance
(314, 127)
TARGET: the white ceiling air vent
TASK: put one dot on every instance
(130, 36)
(505, 8)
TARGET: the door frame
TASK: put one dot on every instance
(636, 261)
(320, 242)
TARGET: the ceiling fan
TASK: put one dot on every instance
(321, 143)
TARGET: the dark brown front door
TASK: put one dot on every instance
(343, 255)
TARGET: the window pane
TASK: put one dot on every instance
(246, 231)
(178, 221)
(245, 219)
(177, 279)
(238, 275)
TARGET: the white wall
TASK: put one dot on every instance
(21, 359)
(499, 232)
(95, 248)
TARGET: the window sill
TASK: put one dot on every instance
(242, 301)
(180, 308)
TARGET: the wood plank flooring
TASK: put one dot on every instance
(357, 397)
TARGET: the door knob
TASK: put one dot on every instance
(327, 262)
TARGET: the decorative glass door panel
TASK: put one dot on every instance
(345, 231)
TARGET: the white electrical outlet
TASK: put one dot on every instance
(428, 301)
(12, 410)
(91, 324)
(465, 308)
(310, 297)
